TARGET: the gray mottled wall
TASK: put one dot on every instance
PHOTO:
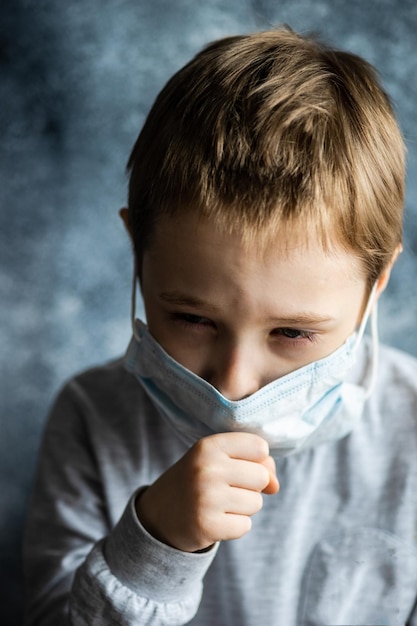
(77, 79)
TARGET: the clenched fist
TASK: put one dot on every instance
(211, 493)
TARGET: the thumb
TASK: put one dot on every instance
(273, 485)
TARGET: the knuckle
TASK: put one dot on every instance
(199, 458)
(245, 525)
(263, 448)
(258, 502)
(205, 450)
(264, 477)
(259, 446)
(198, 448)
(236, 528)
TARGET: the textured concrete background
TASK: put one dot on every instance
(77, 79)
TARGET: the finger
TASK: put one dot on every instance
(273, 483)
(239, 445)
(235, 526)
(242, 501)
(247, 474)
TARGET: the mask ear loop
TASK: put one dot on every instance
(135, 329)
(365, 317)
(372, 312)
(375, 351)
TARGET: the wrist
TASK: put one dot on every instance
(149, 521)
(145, 517)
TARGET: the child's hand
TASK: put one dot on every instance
(210, 493)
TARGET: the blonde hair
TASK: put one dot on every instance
(274, 130)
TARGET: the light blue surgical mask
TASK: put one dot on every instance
(308, 406)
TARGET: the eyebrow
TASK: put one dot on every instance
(302, 318)
(176, 297)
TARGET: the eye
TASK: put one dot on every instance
(293, 334)
(191, 320)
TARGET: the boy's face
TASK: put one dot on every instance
(242, 317)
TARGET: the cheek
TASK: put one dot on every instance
(156, 323)
(193, 360)
(163, 332)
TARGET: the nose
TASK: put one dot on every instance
(234, 372)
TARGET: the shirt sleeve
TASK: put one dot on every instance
(78, 569)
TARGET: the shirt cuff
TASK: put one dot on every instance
(151, 568)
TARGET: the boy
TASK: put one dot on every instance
(265, 209)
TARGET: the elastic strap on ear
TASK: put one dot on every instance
(133, 302)
(371, 312)
(365, 316)
(375, 350)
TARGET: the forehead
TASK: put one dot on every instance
(194, 263)
(187, 238)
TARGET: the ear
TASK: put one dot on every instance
(382, 281)
(124, 214)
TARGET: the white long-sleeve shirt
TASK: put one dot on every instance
(336, 545)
